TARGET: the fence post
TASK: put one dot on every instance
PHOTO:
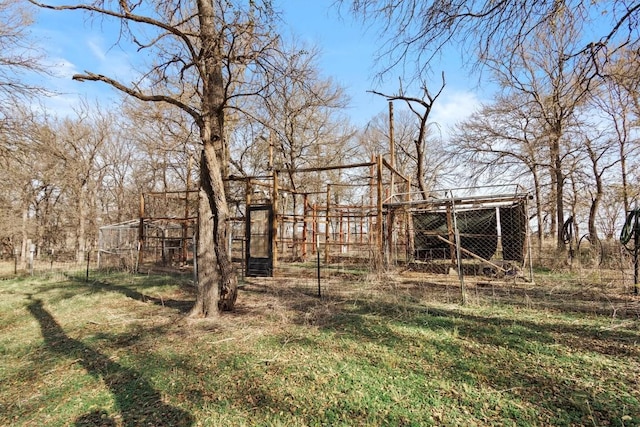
(318, 261)
(88, 261)
(456, 233)
(32, 251)
(379, 256)
(327, 226)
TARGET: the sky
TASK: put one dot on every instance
(74, 45)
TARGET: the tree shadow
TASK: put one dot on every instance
(182, 306)
(478, 350)
(136, 399)
(546, 387)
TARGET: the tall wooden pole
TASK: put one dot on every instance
(141, 234)
(327, 224)
(185, 225)
(274, 224)
(305, 225)
(392, 158)
(379, 231)
(392, 149)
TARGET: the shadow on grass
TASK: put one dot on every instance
(178, 305)
(136, 399)
(492, 351)
(550, 363)
(182, 306)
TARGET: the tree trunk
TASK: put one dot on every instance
(208, 292)
(25, 235)
(213, 222)
(558, 176)
(228, 290)
(420, 160)
(595, 201)
(214, 263)
(625, 186)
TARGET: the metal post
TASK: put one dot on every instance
(274, 223)
(379, 229)
(318, 260)
(636, 239)
(456, 233)
(327, 226)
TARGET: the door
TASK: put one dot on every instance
(259, 250)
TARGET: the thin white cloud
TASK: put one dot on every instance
(95, 47)
(452, 108)
(455, 107)
(61, 67)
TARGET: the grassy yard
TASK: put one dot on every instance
(119, 351)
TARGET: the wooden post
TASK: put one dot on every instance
(411, 245)
(371, 235)
(247, 226)
(305, 220)
(274, 224)
(452, 248)
(294, 226)
(141, 234)
(314, 228)
(392, 151)
(327, 223)
(348, 235)
(361, 237)
(341, 232)
(379, 231)
(270, 164)
(185, 225)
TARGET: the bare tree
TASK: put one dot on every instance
(421, 108)
(163, 136)
(414, 32)
(19, 57)
(202, 53)
(374, 138)
(618, 103)
(502, 139)
(303, 115)
(78, 143)
(555, 84)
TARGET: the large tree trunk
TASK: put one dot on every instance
(217, 281)
(420, 160)
(208, 292)
(217, 199)
(213, 223)
(558, 181)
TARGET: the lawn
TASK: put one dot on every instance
(119, 351)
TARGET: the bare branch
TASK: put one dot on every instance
(138, 94)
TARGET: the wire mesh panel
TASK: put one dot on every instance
(167, 243)
(118, 245)
(477, 235)
(167, 228)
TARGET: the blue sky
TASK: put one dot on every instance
(347, 52)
